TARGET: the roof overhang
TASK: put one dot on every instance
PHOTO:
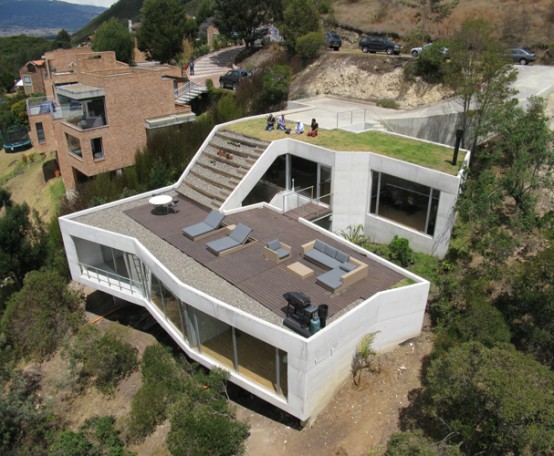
(80, 91)
(166, 121)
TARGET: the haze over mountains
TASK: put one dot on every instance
(45, 17)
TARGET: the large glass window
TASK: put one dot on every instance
(404, 202)
(169, 305)
(97, 150)
(250, 357)
(40, 133)
(74, 145)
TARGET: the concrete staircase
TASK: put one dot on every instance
(221, 166)
(189, 92)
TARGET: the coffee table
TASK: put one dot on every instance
(300, 270)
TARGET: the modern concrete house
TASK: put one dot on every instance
(245, 309)
(97, 111)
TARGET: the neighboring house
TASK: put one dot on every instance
(231, 310)
(97, 111)
(32, 76)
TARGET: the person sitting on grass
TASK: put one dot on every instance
(270, 123)
(282, 123)
(299, 129)
(313, 128)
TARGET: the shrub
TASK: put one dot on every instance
(105, 359)
(161, 381)
(400, 251)
(39, 316)
(388, 103)
(309, 46)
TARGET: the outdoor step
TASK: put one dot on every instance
(236, 161)
(207, 189)
(212, 166)
(235, 146)
(197, 196)
(211, 178)
(251, 142)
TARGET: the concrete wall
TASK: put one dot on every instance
(439, 128)
(316, 367)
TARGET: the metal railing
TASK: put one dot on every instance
(360, 116)
(112, 279)
(189, 89)
(304, 200)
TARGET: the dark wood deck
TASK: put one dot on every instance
(248, 270)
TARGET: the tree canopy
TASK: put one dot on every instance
(114, 36)
(300, 17)
(241, 18)
(495, 401)
(162, 29)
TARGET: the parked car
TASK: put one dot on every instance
(521, 55)
(266, 35)
(333, 40)
(379, 44)
(232, 78)
(416, 51)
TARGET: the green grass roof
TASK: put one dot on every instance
(409, 150)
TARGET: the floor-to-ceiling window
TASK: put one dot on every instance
(405, 202)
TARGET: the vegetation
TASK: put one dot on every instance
(299, 19)
(114, 36)
(38, 317)
(163, 26)
(364, 358)
(407, 149)
(105, 359)
(492, 400)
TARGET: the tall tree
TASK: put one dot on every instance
(162, 28)
(241, 18)
(524, 144)
(23, 243)
(300, 17)
(493, 401)
(62, 40)
(477, 73)
(114, 36)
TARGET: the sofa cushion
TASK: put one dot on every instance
(347, 267)
(319, 245)
(330, 251)
(331, 279)
(341, 256)
(281, 253)
(274, 245)
(319, 258)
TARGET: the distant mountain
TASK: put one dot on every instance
(43, 17)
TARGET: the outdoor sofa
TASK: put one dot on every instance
(277, 251)
(344, 270)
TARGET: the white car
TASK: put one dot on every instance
(416, 51)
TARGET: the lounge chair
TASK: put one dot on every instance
(277, 251)
(235, 240)
(211, 223)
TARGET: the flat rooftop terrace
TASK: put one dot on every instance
(250, 281)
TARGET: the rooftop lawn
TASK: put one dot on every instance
(410, 150)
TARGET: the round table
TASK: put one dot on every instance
(160, 200)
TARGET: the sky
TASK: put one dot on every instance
(104, 3)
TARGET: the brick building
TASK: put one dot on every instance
(32, 77)
(97, 111)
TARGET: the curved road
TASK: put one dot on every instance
(211, 66)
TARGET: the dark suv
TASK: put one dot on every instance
(379, 44)
(333, 40)
(232, 78)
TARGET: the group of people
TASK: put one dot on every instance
(298, 129)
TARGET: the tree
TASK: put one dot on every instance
(524, 143)
(477, 73)
(241, 18)
(492, 401)
(415, 443)
(300, 17)
(114, 36)
(41, 314)
(162, 28)
(529, 307)
(62, 40)
(309, 46)
(23, 243)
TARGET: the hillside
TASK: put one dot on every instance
(42, 17)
